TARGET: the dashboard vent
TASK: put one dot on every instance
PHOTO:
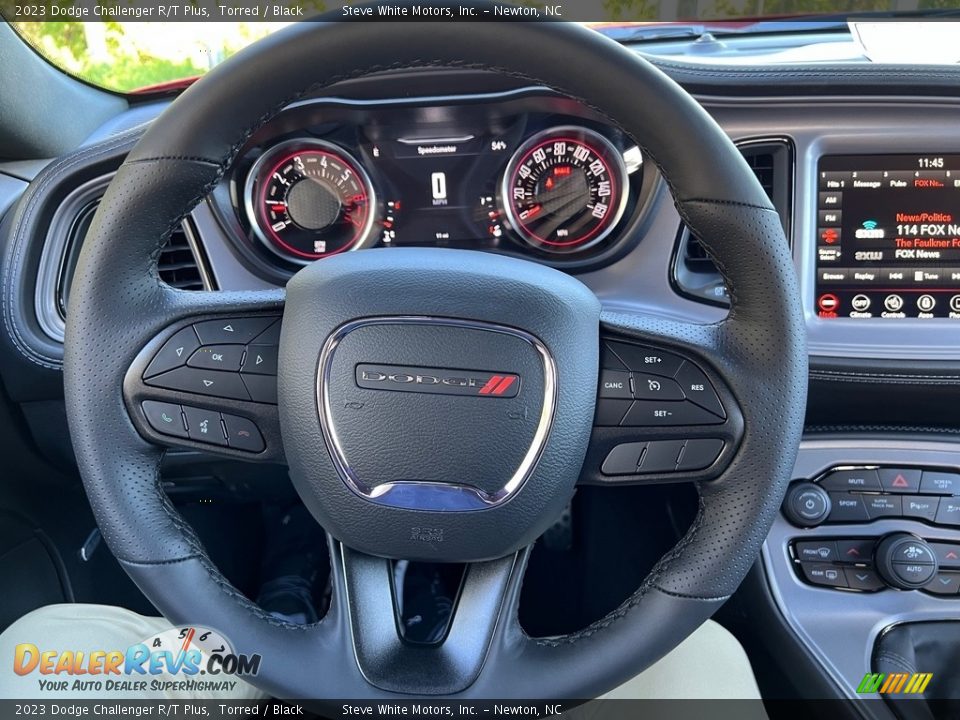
(694, 274)
(177, 264)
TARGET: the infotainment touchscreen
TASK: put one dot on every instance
(888, 236)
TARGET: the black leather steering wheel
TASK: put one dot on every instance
(476, 489)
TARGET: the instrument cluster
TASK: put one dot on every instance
(534, 175)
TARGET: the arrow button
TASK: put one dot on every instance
(202, 382)
(232, 330)
(260, 360)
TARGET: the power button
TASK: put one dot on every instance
(806, 504)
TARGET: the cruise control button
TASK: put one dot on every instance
(262, 388)
(947, 554)
(948, 512)
(863, 579)
(851, 480)
(817, 551)
(164, 417)
(944, 583)
(855, 550)
(243, 434)
(700, 453)
(824, 575)
(847, 508)
(204, 425)
(217, 357)
(654, 413)
(940, 483)
(260, 360)
(203, 382)
(695, 385)
(661, 456)
(623, 459)
(880, 506)
(174, 352)
(231, 331)
(899, 480)
(655, 387)
(615, 384)
(611, 412)
(646, 359)
(918, 506)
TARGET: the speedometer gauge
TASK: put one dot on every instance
(565, 189)
(308, 199)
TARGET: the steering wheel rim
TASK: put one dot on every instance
(118, 304)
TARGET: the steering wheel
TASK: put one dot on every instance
(385, 412)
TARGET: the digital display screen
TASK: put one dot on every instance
(888, 236)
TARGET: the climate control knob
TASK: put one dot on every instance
(905, 561)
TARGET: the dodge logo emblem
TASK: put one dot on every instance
(441, 381)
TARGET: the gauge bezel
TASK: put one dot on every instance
(618, 170)
(250, 187)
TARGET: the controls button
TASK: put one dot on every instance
(202, 382)
(806, 504)
(647, 359)
(615, 384)
(939, 483)
(947, 554)
(661, 456)
(260, 360)
(851, 480)
(262, 388)
(653, 413)
(817, 551)
(609, 359)
(917, 506)
(880, 506)
(623, 459)
(855, 550)
(204, 425)
(893, 302)
(697, 388)
(944, 583)
(232, 331)
(700, 453)
(217, 357)
(863, 579)
(824, 575)
(899, 480)
(948, 513)
(174, 352)
(164, 417)
(270, 336)
(847, 508)
(655, 387)
(611, 412)
(243, 434)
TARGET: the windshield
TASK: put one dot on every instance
(144, 56)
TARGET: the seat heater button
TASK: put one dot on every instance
(827, 575)
(656, 413)
(647, 359)
(260, 360)
(654, 387)
(202, 382)
(231, 331)
(700, 453)
(879, 506)
(852, 480)
(940, 483)
(863, 579)
(661, 456)
(204, 426)
(847, 508)
(262, 388)
(948, 512)
(217, 357)
(899, 480)
(610, 412)
(815, 551)
(624, 459)
(697, 388)
(918, 506)
(164, 417)
(174, 352)
(615, 384)
(243, 434)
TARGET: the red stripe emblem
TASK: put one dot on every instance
(491, 384)
(504, 385)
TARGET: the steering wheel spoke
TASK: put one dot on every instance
(664, 411)
(208, 380)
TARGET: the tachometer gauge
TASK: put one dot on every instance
(307, 199)
(564, 189)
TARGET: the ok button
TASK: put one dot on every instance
(615, 384)
(217, 357)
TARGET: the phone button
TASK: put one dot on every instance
(164, 417)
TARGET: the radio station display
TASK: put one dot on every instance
(888, 236)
